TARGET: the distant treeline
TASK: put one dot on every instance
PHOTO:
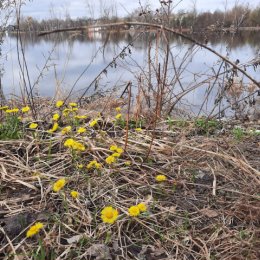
(238, 16)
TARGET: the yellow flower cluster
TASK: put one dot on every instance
(58, 185)
(4, 108)
(116, 149)
(80, 117)
(93, 164)
(135, 211)
(110, 159)
(72, 104)
(117, 153)
(66, 130)
(74, 145)
(118, 109)
(109, 215)
(14, 110)
(33, 230)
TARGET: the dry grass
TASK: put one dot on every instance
(209, 208)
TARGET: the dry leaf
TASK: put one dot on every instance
(209, 213)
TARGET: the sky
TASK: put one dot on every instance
(41, 9)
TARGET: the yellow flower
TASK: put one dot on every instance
(33, 126)
(81, 130)
(142, 207)
(74, 194)
(66, 111)
(4, 108)
(69, 143)
(72, 104)
(119, 150)
(33, 230)
(55, 117)
(161, 178)
(14, 110)
(118, 109)
(59, 103)
(78, 146)
(58, 185)
(109, 215)
(25, 109)
(93, 164)
(66, 130)
(113, 148)
(75, 109)
(118, 116)
(110, 159)
(139, 129)
(93, 122)
(134, 211)
(54, 128)
(128, 163)
(80, 166)
(117, 155)
(80, 117)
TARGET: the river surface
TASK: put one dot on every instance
(56, 63)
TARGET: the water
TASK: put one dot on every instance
(55, 63)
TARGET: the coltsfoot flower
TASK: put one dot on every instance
(4, 108)
(74, 194)
(134, 211)
(81, 130)
(118, 116)
(54, 128)
(109, 215)
(73, 104)
(14, 110)
(55, 117)
(58, 185)
(25, 109)
(93, 164)
(161, 178)
(66, 130)
(33, 125)
(80, 117)
(118, 109)
(116, 149)
(110, 159)
(93, 122)
(59, 103)
(142, 207)
(33, 230)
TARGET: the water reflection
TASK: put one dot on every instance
(74, 53)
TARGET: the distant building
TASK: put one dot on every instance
(11, 28)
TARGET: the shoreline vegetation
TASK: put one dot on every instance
(182, 30)
(78, 183)
(87, 175)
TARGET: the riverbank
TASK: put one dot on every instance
(179, 189)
